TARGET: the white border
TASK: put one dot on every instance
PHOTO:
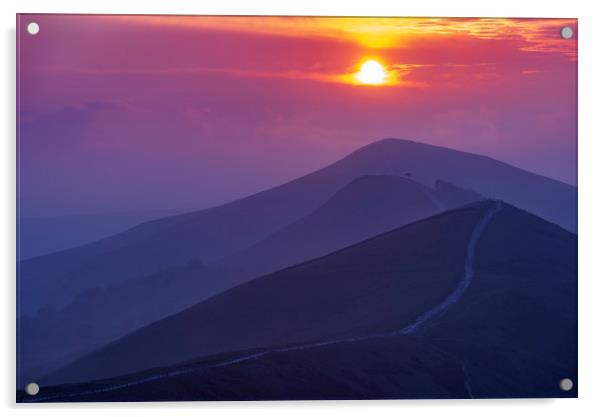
(590, 210)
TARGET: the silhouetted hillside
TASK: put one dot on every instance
(366, 207)
(496, 284)
(215, 233)
(380, 284)
(43, 235)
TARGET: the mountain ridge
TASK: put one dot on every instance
(531, 336)
(367, 206)
(378, 307)
(213, 233)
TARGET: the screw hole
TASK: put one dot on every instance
(32, 388)
(566, 32)
(33, 28)
(566, 384)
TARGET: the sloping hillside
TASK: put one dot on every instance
(504, 322)
(366, 207)
(212, 234)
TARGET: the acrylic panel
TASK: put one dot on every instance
(295, 208)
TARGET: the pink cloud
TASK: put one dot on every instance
(186, 102)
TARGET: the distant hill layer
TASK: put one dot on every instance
(43, 235)
(368, 206)
(209, 235)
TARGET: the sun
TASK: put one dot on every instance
(371, 72)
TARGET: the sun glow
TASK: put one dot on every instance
(371, 72)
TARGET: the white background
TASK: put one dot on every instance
(590, 210)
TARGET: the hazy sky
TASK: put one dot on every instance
(120, 113)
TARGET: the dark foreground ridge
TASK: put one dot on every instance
(442, 353)
(412, 328)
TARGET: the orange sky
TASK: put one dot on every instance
(269, 99)
(377, 35)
